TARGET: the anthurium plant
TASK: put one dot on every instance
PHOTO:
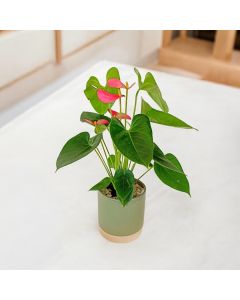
(131, 135)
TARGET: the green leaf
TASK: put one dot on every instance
(145, 107)
(139, 78)
(171, 178)
(163, 118)
(93, 85)
(124, 185)
(111, 161)
(100, 129)
(76, 148)
(112, 73)
(101, 184)
(161, 159)
(91, 93)
(93, 116)
(150, 86)
(137, 142)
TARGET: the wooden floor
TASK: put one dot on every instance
(196, 57)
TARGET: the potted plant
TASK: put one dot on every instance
(121, 196)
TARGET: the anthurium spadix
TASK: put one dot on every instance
(130, 131)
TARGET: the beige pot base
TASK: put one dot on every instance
(120, 239)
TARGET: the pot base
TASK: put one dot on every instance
(118, 238)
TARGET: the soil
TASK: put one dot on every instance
(111, 193)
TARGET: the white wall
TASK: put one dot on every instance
(74, 39)
(129, 47)
(23, 51)
(150, 42)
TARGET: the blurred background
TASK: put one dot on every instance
(35, 63)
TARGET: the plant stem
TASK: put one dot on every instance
(125, 163)
(103, 162)
(145, 173)
(133, 166)
(120, 101)
(125, 159)
(120, 159)
(126, 104)
(109, 155)
(129, 166)
(116, 152)
(115, 149)
(106, 146)
(135, 104)
(105, 153)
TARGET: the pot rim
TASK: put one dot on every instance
(138, 181)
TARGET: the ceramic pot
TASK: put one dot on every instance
(119, 223)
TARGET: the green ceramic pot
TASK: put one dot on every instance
(121, 223)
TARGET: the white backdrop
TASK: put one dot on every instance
(23, 51)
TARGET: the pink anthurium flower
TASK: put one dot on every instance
(118, 115)
(106, 97)
(115, 83)
(99, 122)
(102, 122)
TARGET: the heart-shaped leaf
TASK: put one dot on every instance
(163, 118)
(92, 87)
(124, 185)
(161, 159)
(171, 178)
(76, 148)
(101, 184)
(137, 142)
(150, 86)
(91, 93)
